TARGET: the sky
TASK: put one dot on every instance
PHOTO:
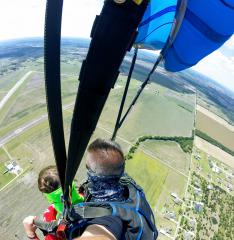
(25, 18)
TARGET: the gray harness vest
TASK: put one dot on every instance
(135, 212)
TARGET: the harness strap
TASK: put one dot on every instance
(47, 227)
(52, 40)
(99, 72)
(92, 212)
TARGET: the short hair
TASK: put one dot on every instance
(109, 157)
(48, 179)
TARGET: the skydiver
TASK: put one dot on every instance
(49, 185)
(107, 183)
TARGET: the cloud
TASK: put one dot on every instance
(25, 18)
(220, 65)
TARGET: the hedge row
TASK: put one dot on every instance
(213, 141)
(186, 143)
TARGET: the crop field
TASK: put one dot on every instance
(215, 127)
(159, 111)
(158, 182)
(170, 153)
(154, 114)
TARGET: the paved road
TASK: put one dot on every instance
(11, 135)
(13, 90)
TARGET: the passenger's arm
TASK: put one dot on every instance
(30, 228)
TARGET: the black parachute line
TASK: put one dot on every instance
(113, 34)
(180, 12)
(118, 120)
(52, 39)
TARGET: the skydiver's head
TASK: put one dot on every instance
(105, 163)
(105, 158)
(48, 179)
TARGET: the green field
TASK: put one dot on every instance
(149, 174)
(158, 182)
(156, 166)
(170, 153)
(157, 112)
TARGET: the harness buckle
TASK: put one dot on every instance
(61, 231)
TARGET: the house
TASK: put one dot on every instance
(198, 206)
(196, 184)
(197, 191)
(13, 167)
(192, 223)
(170, 215)
(178, 201)
(174, 195)
(210, 187)
(216, 169)
(188, 235)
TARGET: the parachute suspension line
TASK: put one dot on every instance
(125, 94)
(159, 59)
(52, 41)
(181, 8)
(98, 74)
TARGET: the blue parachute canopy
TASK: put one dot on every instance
(206, 25)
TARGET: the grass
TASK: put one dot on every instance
(158, 181)
(149, 174)
(154, 113)
(170, 153)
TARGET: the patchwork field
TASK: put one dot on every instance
(215, 127)
(157, 112)
(170, 153)
(163, 109)
(214, 151)
(160, 182)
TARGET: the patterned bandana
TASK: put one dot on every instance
(105, 188)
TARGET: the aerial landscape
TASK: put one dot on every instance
(177, 140)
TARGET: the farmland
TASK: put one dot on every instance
(166, 108)
(215, 127)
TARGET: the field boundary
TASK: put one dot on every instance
(186, 143)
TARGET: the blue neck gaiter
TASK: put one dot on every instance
(105, 188)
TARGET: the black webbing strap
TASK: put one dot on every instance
(46, 227)
(52, 82)
(113, 34)
(91, 211)
(181, 8)
(125, 94)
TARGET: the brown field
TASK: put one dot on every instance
(214, 151)
(215, 127)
